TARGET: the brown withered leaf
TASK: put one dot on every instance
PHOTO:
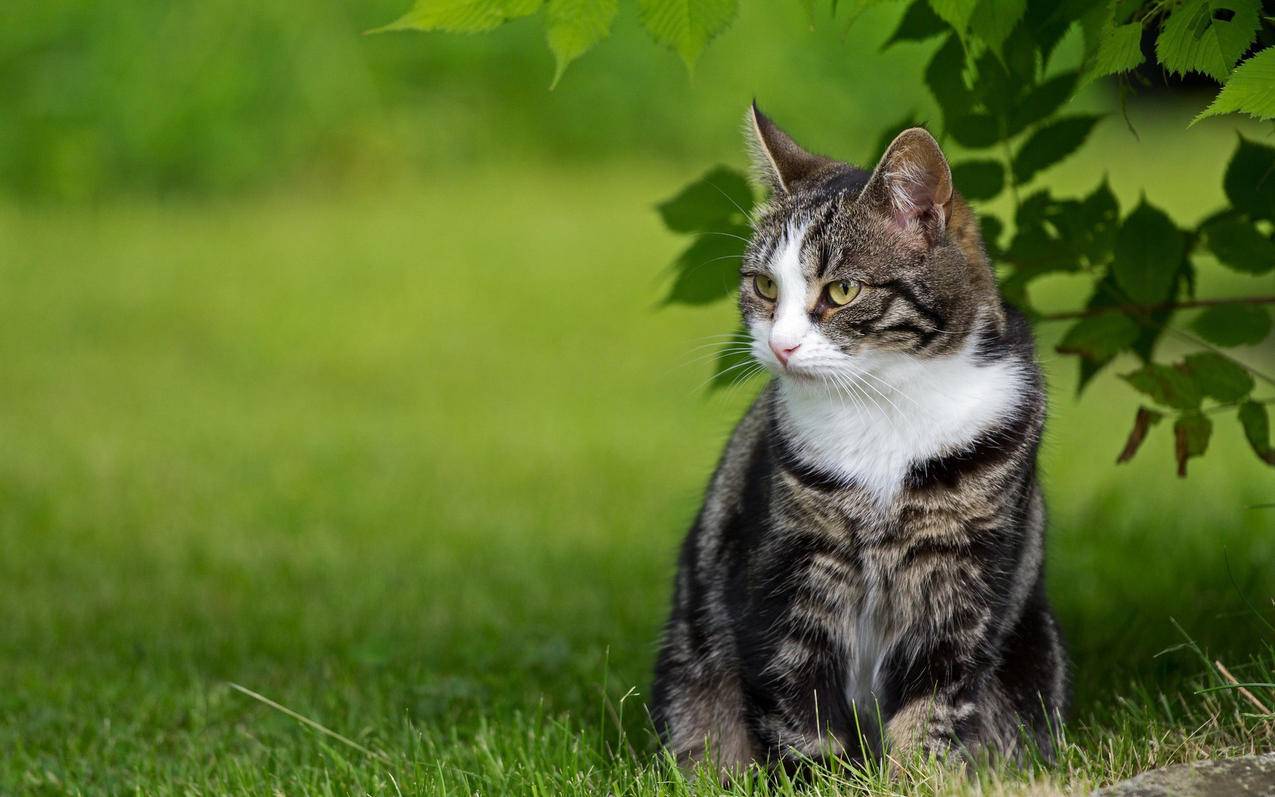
(1191, 435)
(1142, 423)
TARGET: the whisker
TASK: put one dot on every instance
(713, 355)
(731, 200)
(723, 372)
(881, 381)
(727, 234)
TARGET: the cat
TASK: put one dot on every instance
(865, 576)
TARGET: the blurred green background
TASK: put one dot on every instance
(332, 367)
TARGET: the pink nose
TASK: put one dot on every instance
(783, 351)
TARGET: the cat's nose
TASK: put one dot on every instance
(783, 351)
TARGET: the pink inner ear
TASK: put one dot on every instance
(912, 194)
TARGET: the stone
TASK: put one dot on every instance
(1249, 776)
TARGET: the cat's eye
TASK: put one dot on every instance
(766, 287)
(842, 292)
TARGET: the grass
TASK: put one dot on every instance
(414, 465)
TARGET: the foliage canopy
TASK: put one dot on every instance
(1000, 96)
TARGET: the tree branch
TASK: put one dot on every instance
(1147, 308)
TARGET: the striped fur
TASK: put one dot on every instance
(866, 573)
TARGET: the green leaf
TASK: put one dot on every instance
(708, 269)
(1250, 90)
(993, 20)
(1191, 433)
(1207, 36)
(1238, 244)
(1041, 102)
(919, 23)
(1233, 325)
(1119, 49)
(461, 16)
(1142, 423)
(574, 26)
(1047, 21)
(956, 13)
(1091, 228)
(943, 76)
(1148, 254)
(686, 26)
(1165, 385)
(974, 130)
(991, 228)
(1250, 179)
(1219, 377)
(979, 179)
(733, 362)
(1257, 429)
(1051, 144)
(1099, 337)
(720, 198)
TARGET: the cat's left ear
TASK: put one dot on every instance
(912, 185)
(779, 163)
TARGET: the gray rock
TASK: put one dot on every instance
(1250, 776)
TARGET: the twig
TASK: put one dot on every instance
(1249, 696)
(1143, 308)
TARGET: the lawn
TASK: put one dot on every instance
(414, 463)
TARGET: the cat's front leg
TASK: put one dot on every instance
(929, 726)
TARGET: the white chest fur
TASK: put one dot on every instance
(903, 410)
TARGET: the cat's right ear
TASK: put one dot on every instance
(778, 162)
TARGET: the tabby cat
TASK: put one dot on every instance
(865, 575)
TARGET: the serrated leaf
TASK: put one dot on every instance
(1048, 20)
(1250, 90)
(1191, 433)
(1240, 245)
(1142, 423)
(974, 130)
(1099, 337)
(686, 26)
(733, 363)
(943, 77)
(1148, 254)
(1207, 36)
(956, 13)
(1233, 325)
(1041, 102)
(1165, 385)
(919, 23)
(573, 27)
(1250, 179)
(1118, 49)
(1092, 228)
(1219, 377)
(1050, 144)
(461, 16)
(708, 269)
(978, 179)
(993, 20)
(720, 198)
(1257, 430)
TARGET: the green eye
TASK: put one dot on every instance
(766, 287)
(843, 292)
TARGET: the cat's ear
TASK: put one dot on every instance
(912, 185)
(778, 162)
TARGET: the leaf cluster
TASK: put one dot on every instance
(998, 94)
(999, 98)
(573, 27)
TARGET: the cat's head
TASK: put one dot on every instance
(847, 269)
